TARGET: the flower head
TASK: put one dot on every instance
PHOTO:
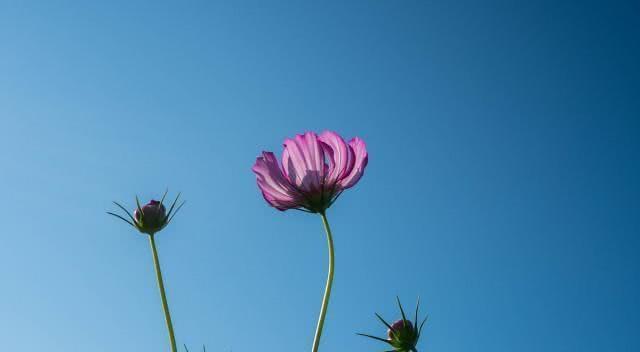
(402, 335)
(152, 217)
(315, 170)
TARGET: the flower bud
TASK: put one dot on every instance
(400, 328)
(402, 335)
(151, 218)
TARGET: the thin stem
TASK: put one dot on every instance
(327, 290)
(165, 306)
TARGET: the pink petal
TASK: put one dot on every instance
(275, 188)
(303, 162)
(339, 155)
(361, 158)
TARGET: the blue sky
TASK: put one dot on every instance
(502, 185)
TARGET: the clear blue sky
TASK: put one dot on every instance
(502, 186)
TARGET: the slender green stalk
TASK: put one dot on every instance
(327, 290)
(165, 306)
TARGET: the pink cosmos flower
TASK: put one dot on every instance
(315, 170)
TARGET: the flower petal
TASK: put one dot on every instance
(276, 189)
(303, 162)
(361, 158)
(339, 155)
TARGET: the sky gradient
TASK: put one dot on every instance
(502, 185)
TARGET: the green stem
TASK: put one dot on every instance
(165, 306)
(327, 290)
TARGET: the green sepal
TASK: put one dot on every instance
(122, 218)
(374, 337)
(404, 318)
